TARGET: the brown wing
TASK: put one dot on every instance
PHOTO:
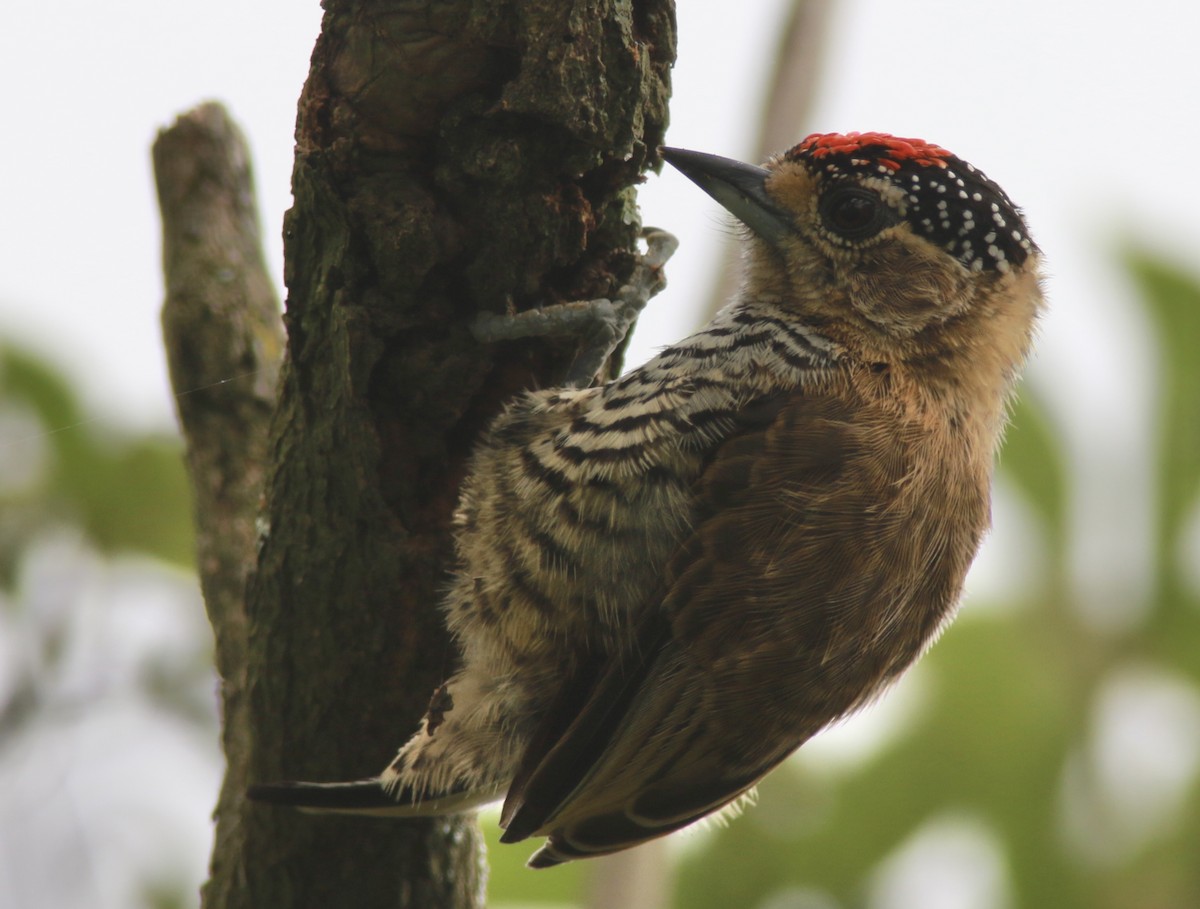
(817, 570)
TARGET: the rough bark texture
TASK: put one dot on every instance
(224, 339)
(452, 157)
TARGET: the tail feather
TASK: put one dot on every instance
(367, 797)
(356, 796)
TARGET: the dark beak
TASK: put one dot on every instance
(738, 187)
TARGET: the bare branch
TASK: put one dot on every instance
(787, 105)
(224, 340)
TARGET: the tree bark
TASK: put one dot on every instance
(452, 157)
(224, 339)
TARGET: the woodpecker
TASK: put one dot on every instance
(666, 584)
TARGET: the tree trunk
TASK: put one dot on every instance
(452, 157)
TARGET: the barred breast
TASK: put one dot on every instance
(575, 502)
(578, 498)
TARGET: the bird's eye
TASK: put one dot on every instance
(854, 213)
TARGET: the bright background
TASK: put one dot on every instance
(108, 762)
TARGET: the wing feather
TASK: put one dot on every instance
(813, 576)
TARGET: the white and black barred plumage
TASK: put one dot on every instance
(591, 488)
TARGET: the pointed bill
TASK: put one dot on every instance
(738, 187)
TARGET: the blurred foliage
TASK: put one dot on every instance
(1173, 301)
(1008, 737)
(127, 492)
(509, 881)
(117, 493)
(90, 638)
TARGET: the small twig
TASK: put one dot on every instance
(787, 104)
(792, 91)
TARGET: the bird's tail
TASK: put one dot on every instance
(367, 797)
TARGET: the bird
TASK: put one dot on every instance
(665, 584)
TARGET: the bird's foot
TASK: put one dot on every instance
(601, 324)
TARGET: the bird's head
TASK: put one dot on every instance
(897, 249)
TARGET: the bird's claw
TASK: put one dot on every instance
(600, 324)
